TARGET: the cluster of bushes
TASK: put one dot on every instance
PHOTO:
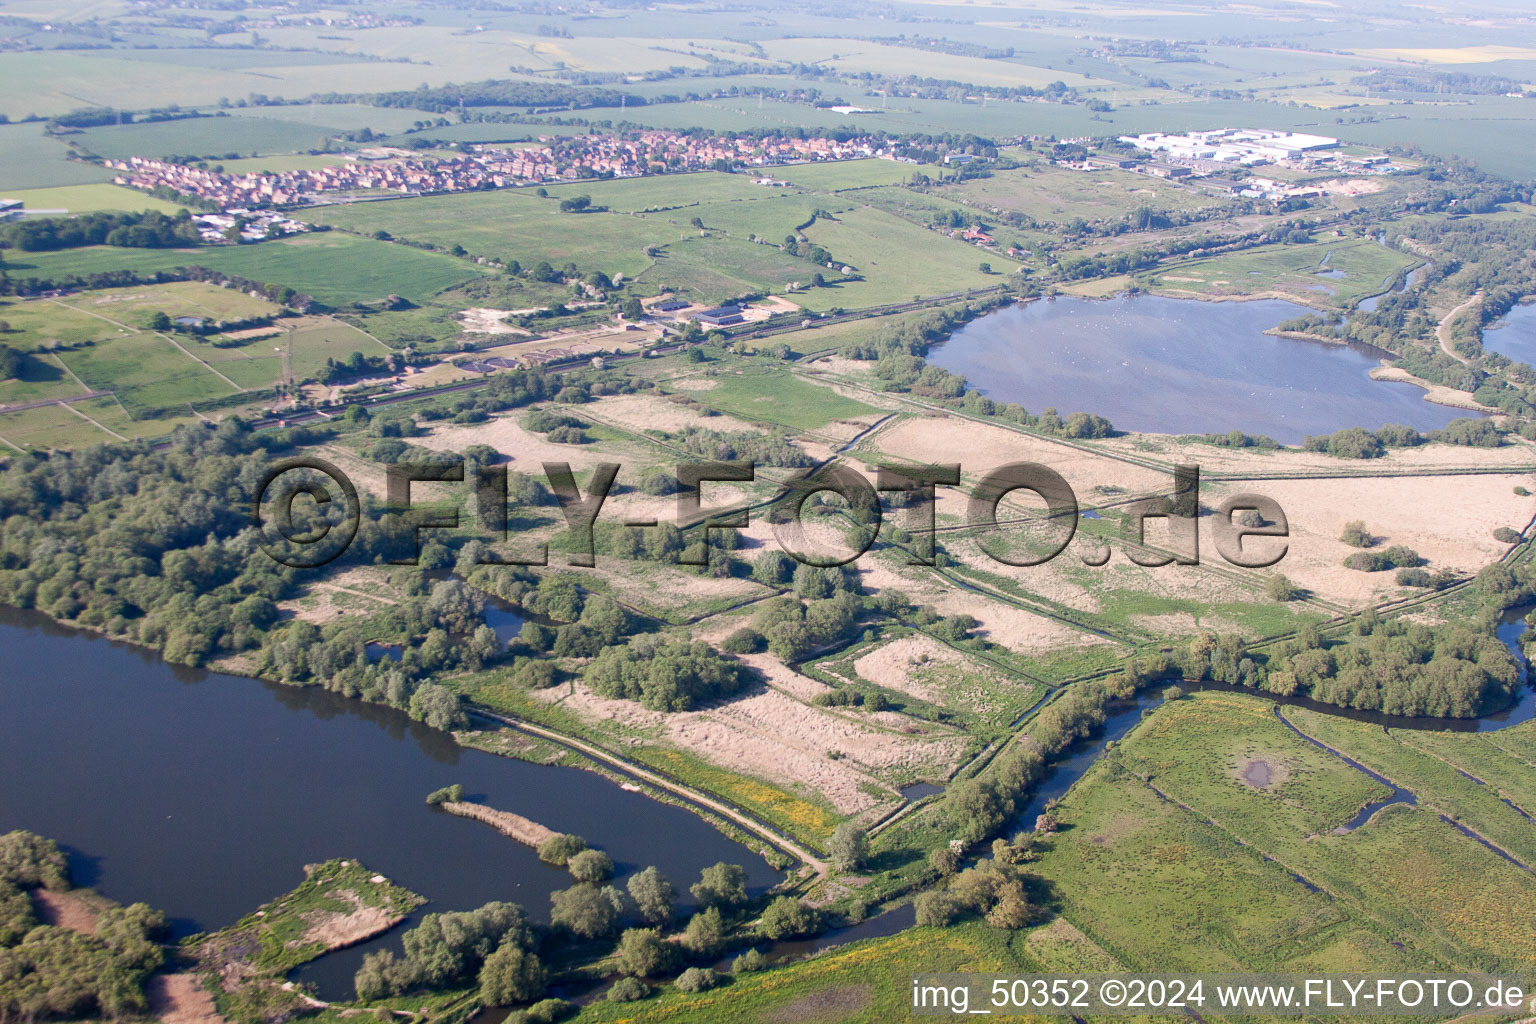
(496, 944)
(792, 629)
(557, 427)
(12, 362)
(1238, 439)
(725, 446)
(663, 675)
(1399, 668)
(995, 889)
(1359, 443)
(54, 973)
(1398, 556)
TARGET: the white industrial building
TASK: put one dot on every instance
(1232, 145)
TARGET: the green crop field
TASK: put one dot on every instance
(716, 269)
(145, 372)
(777, 396)
(334, 267)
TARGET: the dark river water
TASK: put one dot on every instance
(1179, 366)
(206, 794)
(1514, 335)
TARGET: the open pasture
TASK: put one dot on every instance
(335, 268)
(90, 199)
(776, 396)
(1308, 273)
(897, 259)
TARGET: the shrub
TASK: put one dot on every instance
(705, 934)
(586, 910)
(641, 951)
(1173, 693)
(789, 918)
(511, 975)
(1279, 588)
(558, 849)
(697, 979)
(1413, 578)
(453, 794)
(1403, 557)
(1368, 561)
(850, 847)
(1356, 535)
(546, 1011)
(721, 885)
(628, 990)
(654, 895)
(944, 860)
(590, 866)
(935, 909)
(748, 962)
(744, 641)
(1505, 535)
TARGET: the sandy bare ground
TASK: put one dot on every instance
(655, 412)
(1251, 461)
(337, 930)
(1437, 393)
(1014, 628)
(693, 384)
(893, 665)
(980, 448)
(65, 910)
(1447, 520)
(525, 449)
(482, 320)
(524, 830)
(181, 999)
(772, 736)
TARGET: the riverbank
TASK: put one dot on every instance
(1439, 394)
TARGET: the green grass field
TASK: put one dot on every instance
(1057, 194)
(777, 396)
(334, 267)
(203, 136)
(897, 258)
(89, 199)
(29, 159)
(865, 983)
(1405, 874)
(512, 225)
(1294, 270)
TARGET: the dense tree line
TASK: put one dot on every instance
(147, 230)
(54, 973)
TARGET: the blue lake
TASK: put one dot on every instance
(1180, 366)
(1514, 335)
